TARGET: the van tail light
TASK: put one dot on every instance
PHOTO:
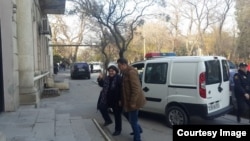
(202, 85)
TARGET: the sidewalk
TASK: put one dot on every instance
(44, 124)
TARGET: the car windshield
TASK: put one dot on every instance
(81, 65)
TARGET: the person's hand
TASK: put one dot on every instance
(247, 96)
(100, 76)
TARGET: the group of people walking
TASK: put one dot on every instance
(121, 91)
(241, 81)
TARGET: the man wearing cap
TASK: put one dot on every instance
(242, 89)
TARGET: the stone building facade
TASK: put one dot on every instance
(24, 50)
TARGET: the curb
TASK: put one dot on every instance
(101, 130)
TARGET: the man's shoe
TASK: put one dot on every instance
(116, 133)
(107, 123)
(132, 133)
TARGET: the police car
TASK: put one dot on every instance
(183, 86)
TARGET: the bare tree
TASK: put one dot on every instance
(120, 17)
(222, 15)
(175, 20)
(107, 41)
(243, 21)
(64, 35)
(201, 14)
(190, 39)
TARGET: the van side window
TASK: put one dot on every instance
(226, 74)
(213, 72)
(156, 73)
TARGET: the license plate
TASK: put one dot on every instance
(81, 69)
(213, 106)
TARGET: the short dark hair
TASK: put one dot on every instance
(122, 61)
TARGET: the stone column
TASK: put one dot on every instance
(51, 63)
(28, 92)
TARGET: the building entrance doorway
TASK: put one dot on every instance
(1, 74)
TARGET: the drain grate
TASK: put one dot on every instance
(51, 92)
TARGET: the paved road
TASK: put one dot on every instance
(81, 99)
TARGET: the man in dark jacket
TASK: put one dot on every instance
(242, 89)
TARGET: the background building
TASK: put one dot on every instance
(24, 50)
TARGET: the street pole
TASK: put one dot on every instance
(144, 48)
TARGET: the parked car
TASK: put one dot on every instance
(96, 67)
(232, 70)
(232, 66)
(80, 70)
(180, 87)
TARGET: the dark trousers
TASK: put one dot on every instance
(105, 114)
(241, 101)
(117, 116)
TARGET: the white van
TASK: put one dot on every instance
(183, 86)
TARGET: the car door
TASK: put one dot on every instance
(217, 84)
(154, 85)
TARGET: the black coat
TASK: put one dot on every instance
(113, 95)
(241, 83)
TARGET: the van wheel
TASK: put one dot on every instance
(176, 116)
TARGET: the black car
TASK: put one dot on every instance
(80, 70)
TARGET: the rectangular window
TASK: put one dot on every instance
(156, 73)
(213, 72)
(226, 74)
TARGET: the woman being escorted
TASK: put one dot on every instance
(110, 97)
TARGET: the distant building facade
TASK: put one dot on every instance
(24, 50)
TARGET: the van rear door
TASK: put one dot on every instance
(217, 84)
